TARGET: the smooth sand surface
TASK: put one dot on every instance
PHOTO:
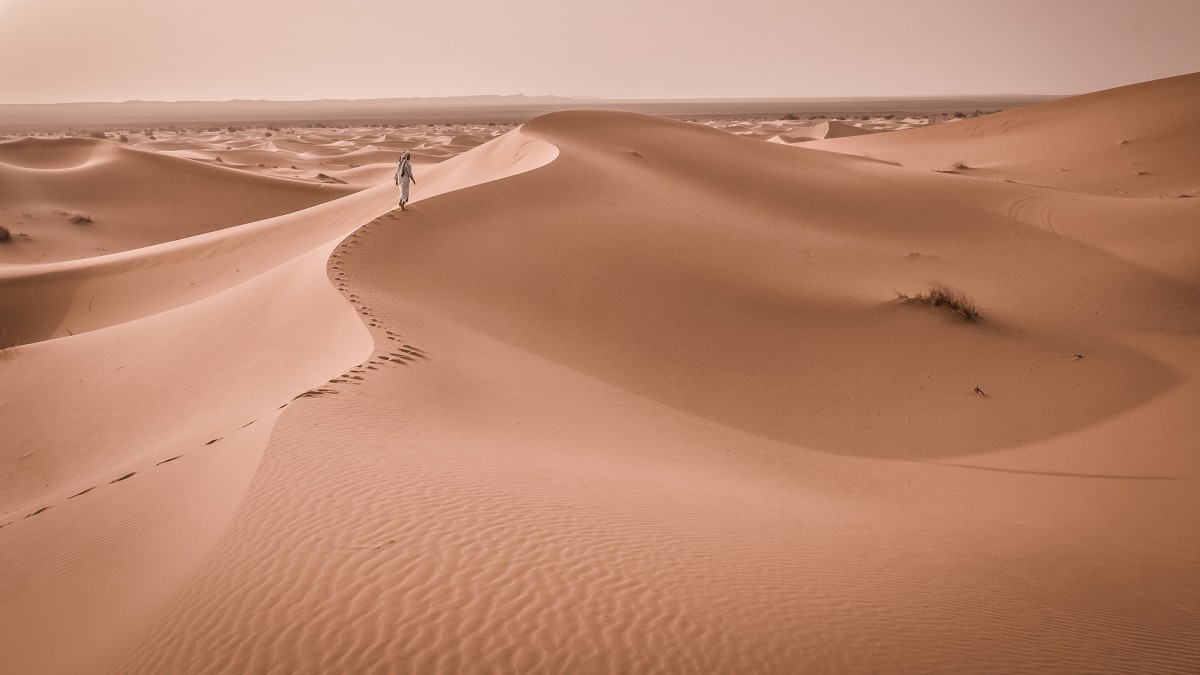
(618, 394)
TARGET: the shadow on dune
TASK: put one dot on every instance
(749, 284)
(1056, 474)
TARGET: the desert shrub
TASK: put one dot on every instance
(5, 235)
(80, 219)
(6, 345)
(790, 116)
(123, 138)
(944, 296)
(98, 134)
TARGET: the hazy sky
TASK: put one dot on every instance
(115, 50)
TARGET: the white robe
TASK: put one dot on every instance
(403, 176)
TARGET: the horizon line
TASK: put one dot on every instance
(859, 97)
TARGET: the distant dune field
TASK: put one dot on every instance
(617, 393)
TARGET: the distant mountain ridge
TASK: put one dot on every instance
(449, 109)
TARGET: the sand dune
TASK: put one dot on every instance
(832, 129)
(217, 310)
(626, 395)
(76, 198)
(1135, 141)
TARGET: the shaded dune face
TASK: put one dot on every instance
(152, 377)
(50, 154)
(558, 415)
(561, 478)
(80, 198)
(755, 285)
(182, 302)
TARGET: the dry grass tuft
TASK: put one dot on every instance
(5, 235)
(80, 219)
(6, 345)
(944, 296)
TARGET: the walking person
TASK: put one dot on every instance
(403, 176)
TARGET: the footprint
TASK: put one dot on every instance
(82, 493)
(168, 460)
(128, 475)
(44, 508)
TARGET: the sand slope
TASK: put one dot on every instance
(139, 397)
(1135, 141)
(77, 198)
(650, 403)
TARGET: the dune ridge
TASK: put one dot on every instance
(79, 198)
(246, 319)
(656, 407)
(1132, 141)
(659, 405)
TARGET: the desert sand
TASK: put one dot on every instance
(617, 393)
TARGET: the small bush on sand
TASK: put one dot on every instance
(6, 345)
(790, 116)
(98, 134)
(123, 138)
(944, 296)
(80, 219)
(5, 235)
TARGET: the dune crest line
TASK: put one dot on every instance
(181, 350)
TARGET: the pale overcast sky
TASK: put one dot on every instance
(115, 50)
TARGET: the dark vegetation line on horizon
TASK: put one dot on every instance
(114, 116)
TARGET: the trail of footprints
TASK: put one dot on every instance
(127, 476)
(401, 354)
